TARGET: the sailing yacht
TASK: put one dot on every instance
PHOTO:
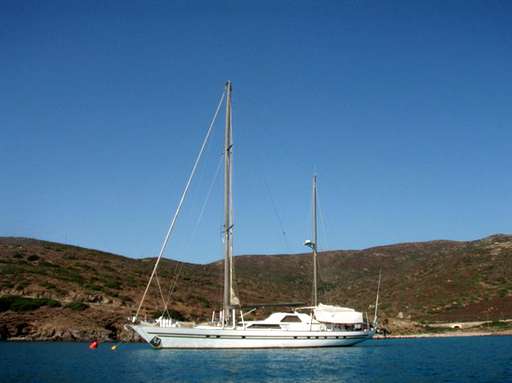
(318, 325)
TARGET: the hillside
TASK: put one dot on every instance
(75, 293)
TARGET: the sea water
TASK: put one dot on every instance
(463, 359)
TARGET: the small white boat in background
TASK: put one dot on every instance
(318, 325)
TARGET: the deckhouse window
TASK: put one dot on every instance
(291, 318)
(265, 326)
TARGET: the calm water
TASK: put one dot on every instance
(479, 359)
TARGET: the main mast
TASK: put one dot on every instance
(314, 247)
(229, 296)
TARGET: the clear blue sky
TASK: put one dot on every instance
(404, 109)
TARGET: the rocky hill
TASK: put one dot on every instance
(61, 292)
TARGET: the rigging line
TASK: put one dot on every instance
(161, 293)
(205, 203)
(173, 286)
(322, 221)
(179, 266)
(180, 204)
(276, 212)
(176, 272)
(274, 205)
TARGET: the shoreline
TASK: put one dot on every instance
(376, 337)
(444, 335)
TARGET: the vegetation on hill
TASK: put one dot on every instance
(16, 303)
(55, 291)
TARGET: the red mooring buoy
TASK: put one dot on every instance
(93, 345)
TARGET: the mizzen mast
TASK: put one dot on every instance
(314, 247)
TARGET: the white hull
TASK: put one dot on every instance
(215, 337)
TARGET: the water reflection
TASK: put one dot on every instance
(429, 360)
(323, 364)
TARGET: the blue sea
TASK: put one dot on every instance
(464, 359)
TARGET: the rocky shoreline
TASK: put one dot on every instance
(127, 336)
(47, 324)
